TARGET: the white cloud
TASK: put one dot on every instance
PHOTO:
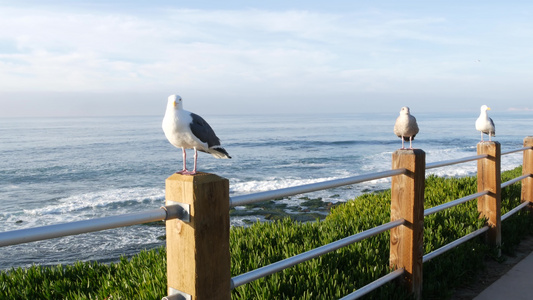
(92, 51)
(253, 53)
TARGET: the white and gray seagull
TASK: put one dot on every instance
(406, 127)
(485, 124)
(187, 130)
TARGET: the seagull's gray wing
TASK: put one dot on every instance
(201, 129)
(493, 127)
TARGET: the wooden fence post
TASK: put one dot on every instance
(527, 168)
(489, 178)
(407, 202)
(198, 259)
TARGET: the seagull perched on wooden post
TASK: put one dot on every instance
(485, 124)
(187, 130)
(406, 127)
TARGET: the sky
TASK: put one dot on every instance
(110, 58)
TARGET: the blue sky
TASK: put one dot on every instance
(62, 58)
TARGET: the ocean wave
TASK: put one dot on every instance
(255, 186)
(98, 204)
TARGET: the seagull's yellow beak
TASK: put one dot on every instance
(488, 108)
(174, 103)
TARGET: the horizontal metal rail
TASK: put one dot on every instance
(453, 203)
(59, 230)
(470, 236)
(374, 285)
(312, 187)
(454, 244)
(515, 210)
(294, 260)
(515, 150)
(445, 163)
(507, 183)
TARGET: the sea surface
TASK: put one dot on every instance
(57, 170)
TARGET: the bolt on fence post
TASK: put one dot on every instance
(198, 258)
(489, 178)
(527, 168)
(407, 202)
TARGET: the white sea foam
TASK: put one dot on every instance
(254, 186)
(87, 206)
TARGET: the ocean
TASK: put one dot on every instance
(57, 170)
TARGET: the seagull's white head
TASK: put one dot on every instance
(174, 101)
(484, 108)
(404, 111)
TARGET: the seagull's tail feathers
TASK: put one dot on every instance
(219, 152)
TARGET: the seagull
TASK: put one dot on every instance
(187, 130)
(406, 127)
(485, 124)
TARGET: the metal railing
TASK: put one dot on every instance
(451, 162)
(28, 235)
(178, 211)
(312, 187)
(289, 262)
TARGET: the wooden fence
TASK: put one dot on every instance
(198, 251)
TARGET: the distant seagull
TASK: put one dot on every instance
(406, 127)
(187, 130)
(485, 124)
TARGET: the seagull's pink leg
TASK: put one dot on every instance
(482, 136)
(490, 136)
(184, 171)
(195, 158)
(187, 172)
(410, 142)
(403, 147)
(184, 159)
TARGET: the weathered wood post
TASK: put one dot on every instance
(406, 241)
(198, 259)
(527, 168)
(489, 178)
